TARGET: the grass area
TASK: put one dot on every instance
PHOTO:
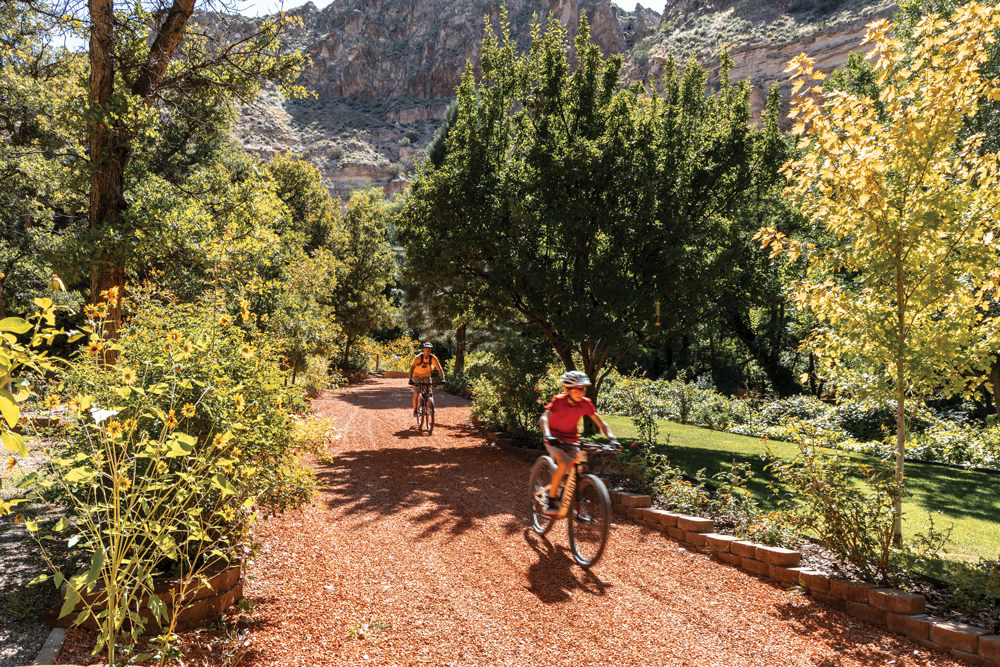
(968, 501)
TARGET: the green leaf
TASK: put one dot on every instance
(167, 544)
(14, 442)
(61, 525)
(81, 474)
(9, 409)
(31, 526)
(177, 447)
(59, 578)
(96, 563)
(39, 579)
(72, 597)
(15, 324)
(73, 541)
(123, 392)
(220, 482)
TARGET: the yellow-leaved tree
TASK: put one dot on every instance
(903, 252)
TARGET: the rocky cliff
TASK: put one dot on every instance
(383, 71)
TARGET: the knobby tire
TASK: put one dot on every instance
(589, 521)
(541, 476)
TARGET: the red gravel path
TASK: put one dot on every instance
(430, 534)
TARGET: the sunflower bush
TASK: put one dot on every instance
(180, 434)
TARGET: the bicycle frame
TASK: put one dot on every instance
(569, 486)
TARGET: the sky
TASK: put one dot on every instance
(257, 7)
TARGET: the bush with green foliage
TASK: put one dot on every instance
(511, 384)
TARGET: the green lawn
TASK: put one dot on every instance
(970, 501)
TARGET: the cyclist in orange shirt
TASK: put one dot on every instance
(558, 424)
(421, 369)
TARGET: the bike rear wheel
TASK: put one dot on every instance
(589, 521)
(541, 477)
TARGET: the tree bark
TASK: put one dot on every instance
(109, 146)
(767, 355)
(995, 381)
(460, 349)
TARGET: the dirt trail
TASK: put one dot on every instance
(425, 539)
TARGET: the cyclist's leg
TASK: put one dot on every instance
(416, 394)
(563, 461)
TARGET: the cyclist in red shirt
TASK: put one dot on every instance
(558, 424)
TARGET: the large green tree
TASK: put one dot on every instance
(576, 207)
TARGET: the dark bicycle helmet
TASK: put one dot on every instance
(574, 379)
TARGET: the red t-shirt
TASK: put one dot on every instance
(565, 417)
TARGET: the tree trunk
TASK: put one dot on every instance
(897, 503)
(768, 356)
(994, 380)
(460, 350)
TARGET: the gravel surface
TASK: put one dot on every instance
(418, 552)
(22, 632)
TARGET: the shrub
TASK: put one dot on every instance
(395, 355)
(173, 446)
(412, 135)
(396, 168)
(508, 384)
(337, 152)
(854, 522)
(405, 141)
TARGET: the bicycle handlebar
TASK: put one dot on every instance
(586, 445)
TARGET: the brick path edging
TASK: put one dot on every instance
(898, 611)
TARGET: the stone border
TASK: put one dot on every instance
(898, 611)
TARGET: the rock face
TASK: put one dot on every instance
(383, 49)
(384, 70)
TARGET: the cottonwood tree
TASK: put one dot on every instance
(902, 263)
(145, 60)
(572, 206)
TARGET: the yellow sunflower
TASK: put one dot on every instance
(188, 410)
(246, 351)
(240, 403)
(225, 320)
(94, 348)
(174, 337)
(129, 377)
(113, 429)
(171, 421)
(188, 349)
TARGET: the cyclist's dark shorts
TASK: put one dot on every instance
(419, 381)
(562, 454)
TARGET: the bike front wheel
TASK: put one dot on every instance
(541, 477)
(430, 416)
(589, 521)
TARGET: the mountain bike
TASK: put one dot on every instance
(585, 501)
(425, 406)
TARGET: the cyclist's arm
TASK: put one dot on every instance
(439, 367)
(543, 423)
(604, 427)
(413, 364)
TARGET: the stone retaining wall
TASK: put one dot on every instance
(898, 611)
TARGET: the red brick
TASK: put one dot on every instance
(669, 519)
(649, 514)
(744, 549)
(989, 647)
(865, 612)
(957, 635)
(677, 534)
(971, 659)
(618, 508)
(719, 543)
(783, 574)
(830, 601)
(813, 580)
(616, 496)
(855, 591)
(896, 601)
(931, 645)
(756, 567)
(636, 500)
(778, 556)
(694, 524)
(697, 539)
(730, 558)
(633, 512)
(915, 627)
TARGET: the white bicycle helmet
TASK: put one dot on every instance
(574, 379)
